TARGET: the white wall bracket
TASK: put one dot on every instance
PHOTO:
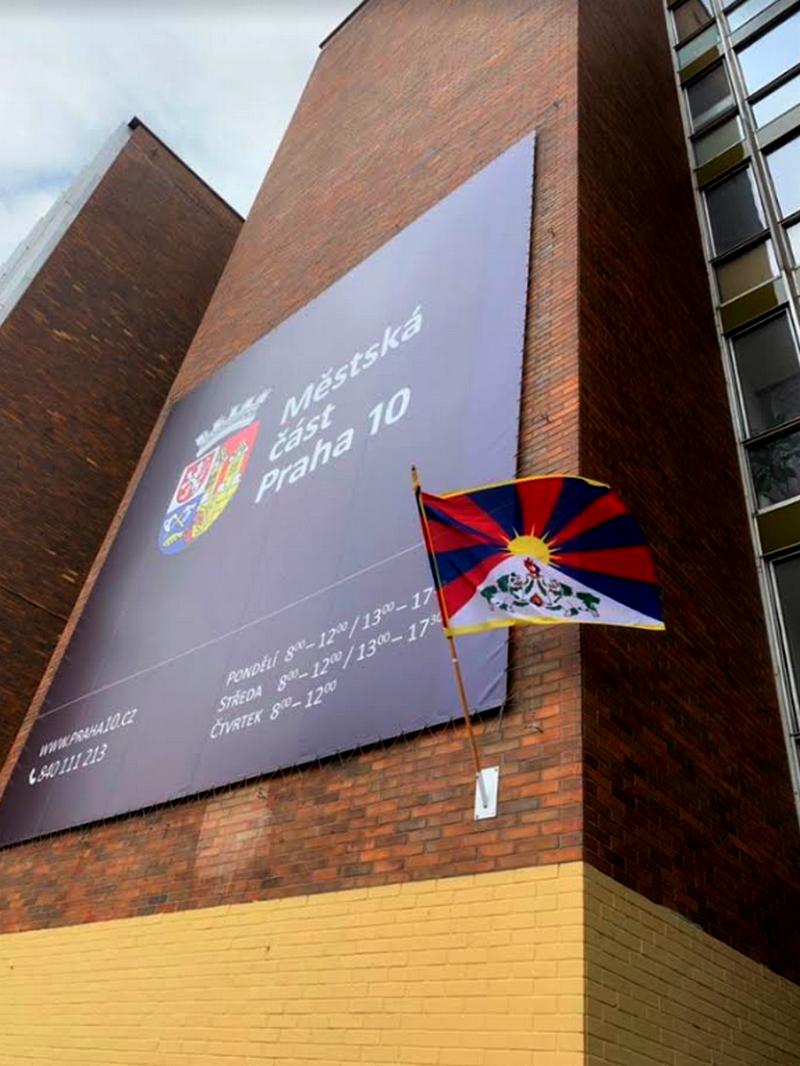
(490, 780)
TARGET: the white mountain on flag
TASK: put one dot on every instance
(520, 589)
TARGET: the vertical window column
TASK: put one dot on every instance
(737, 63)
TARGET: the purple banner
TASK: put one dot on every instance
(267, 600)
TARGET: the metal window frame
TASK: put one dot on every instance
(723, 258)
(744, 243)
(718, 121)
(690, 38)
(775, 146)
(679, 42)
(776, 83)
(729, 8)
(758, 23)
(727, 107)
(740, 410)
(793, 725)
(763, 22)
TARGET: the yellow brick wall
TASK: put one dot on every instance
(469, 971)
(551, 966)
(663, 993)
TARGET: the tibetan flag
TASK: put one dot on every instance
(539, 550)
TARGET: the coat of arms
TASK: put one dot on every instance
(209, 483)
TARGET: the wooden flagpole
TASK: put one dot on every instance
(462, 692)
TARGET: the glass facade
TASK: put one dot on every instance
(709, 96)
(778, 102)
(714, 142)
(690, 16)
(787, 580)
(771, 55)
(769, 373)
(776, 469)
(694, 48)
(793, 233)
(749, 206)
(744, 12)
(734, 212)
(784, 167)
(746, 271)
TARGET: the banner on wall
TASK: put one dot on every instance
(267, 600)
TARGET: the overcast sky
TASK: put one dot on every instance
(217, 80)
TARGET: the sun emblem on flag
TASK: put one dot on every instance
(209, 483)
(526, 583)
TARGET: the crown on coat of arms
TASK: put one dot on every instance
(241, 415)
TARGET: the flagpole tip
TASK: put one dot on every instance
(414, 476)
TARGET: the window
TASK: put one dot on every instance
(709, 96)
(784, 166)
(744, 12)
(690, 16)
(777, 102)
(746, 271)
(787, 578)
(711, 144)
(771, 55)
(769, 373)
(775, 467)
(687, 53)
(793, 233)
(734, 213)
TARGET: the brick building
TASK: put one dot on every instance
(636, 899)
(97, 310)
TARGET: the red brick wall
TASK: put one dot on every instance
(87, 358)
(408, 101)
(686, 794)
(687, 786)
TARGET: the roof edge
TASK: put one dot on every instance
(136, 123)
(343, 23)
(33, 251)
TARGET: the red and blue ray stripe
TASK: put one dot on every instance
(588, 531)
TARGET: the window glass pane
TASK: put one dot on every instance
(709, 95)
(784, 166)
(699, 44)
(787, 576)
(771, 54)
(744, 12)
(793, 233)
(776, 469)
(746, 271)
(777, 102)
(734, 213)
(690, 16)
(711, 144)
(769, 374)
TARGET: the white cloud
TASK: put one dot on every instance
(217, 81)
